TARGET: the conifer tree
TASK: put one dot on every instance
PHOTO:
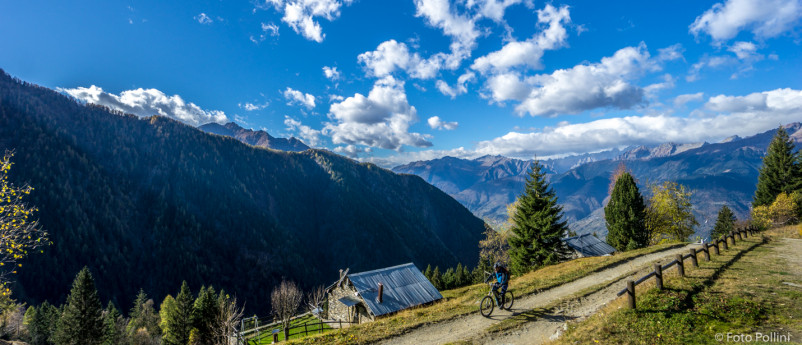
(143, 317)
(81, 322)
(724, 223)
(781, 170)
(112, 320)
(428, 272)
(625, 215)
(42, 324)
(437, 278)
(537, 228)
(178, 321)
(203, 314)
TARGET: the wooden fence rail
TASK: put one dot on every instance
(306, 328)
(657, 273)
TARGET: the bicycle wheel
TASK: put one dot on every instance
(509, 298)
(486, 306)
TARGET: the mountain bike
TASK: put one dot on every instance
(493, 299)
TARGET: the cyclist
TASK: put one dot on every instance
(502, 276)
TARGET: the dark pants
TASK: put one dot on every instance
(501, 289)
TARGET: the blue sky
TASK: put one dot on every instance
(402, 80)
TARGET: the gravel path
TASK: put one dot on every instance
(471, 326)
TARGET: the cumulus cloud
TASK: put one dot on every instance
(671, 53)
(582, 87)
(458, 89)
(740, 115)
(300, 14)
(352, 151)
(528, 53)
(382, 119)
(295, 97)
(331, 73)
(492, 9)
(148, 102)
(310, 136)
(681, 100)
(251, 106)
(764, 18)
(203, 18)
(436, 123)
(391, 56)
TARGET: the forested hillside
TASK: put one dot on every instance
(149, 202)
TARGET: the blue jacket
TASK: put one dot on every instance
(502, 277)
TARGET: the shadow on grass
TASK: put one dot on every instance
(698, 284)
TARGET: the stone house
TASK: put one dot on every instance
(362, 297)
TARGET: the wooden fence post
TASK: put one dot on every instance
(658, 276)
(694, 261)
(680, 266)
(739, 235)
(707, 252)
(275, 338)
(725, 243)
(715, 247)
(306, 332)
(631, 293)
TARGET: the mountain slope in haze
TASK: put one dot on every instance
(721, 173)
(149, 202)
(255, 138)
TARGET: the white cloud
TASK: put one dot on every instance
(331, 73)
(709, 62)
(764, 18)
(352, 151)
(671, 53)
(310, 136)
(492, 9)
(268, 29)
(681, 100)
(461, 27)
(740, 115)
(580, 88)
(391, 56)
(382, 119)
(528, 53)
(436, 123)
(203, 18)
(148, 102)
(459, 88)
(299, 98)
(251, 106)
(300, 14)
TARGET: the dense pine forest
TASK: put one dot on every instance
(147, 203)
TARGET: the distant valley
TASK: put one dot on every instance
(722, 173)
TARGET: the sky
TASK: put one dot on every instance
(395, 81)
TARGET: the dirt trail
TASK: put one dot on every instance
(472, 325)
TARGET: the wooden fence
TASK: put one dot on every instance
(306, 328)
(723, 241)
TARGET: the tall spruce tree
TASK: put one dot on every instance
(81, 322)
(42, 324)
(178, 323)
(112, 322)
(725, 222)
(537, 226)
(625, 215)
(781, 170)
(204, 313)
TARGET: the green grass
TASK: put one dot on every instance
(735, 292)
(462, 301)
(266, 337)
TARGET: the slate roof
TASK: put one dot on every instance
(589, 245)
(404, 287)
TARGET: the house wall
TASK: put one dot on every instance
(337, 310)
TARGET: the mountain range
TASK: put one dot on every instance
(255, 138)
(146, 203)
(723, 173)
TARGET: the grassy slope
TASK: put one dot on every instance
(740, 291)
(462, 301)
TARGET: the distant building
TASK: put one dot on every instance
(588, 245)
(362, 297)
